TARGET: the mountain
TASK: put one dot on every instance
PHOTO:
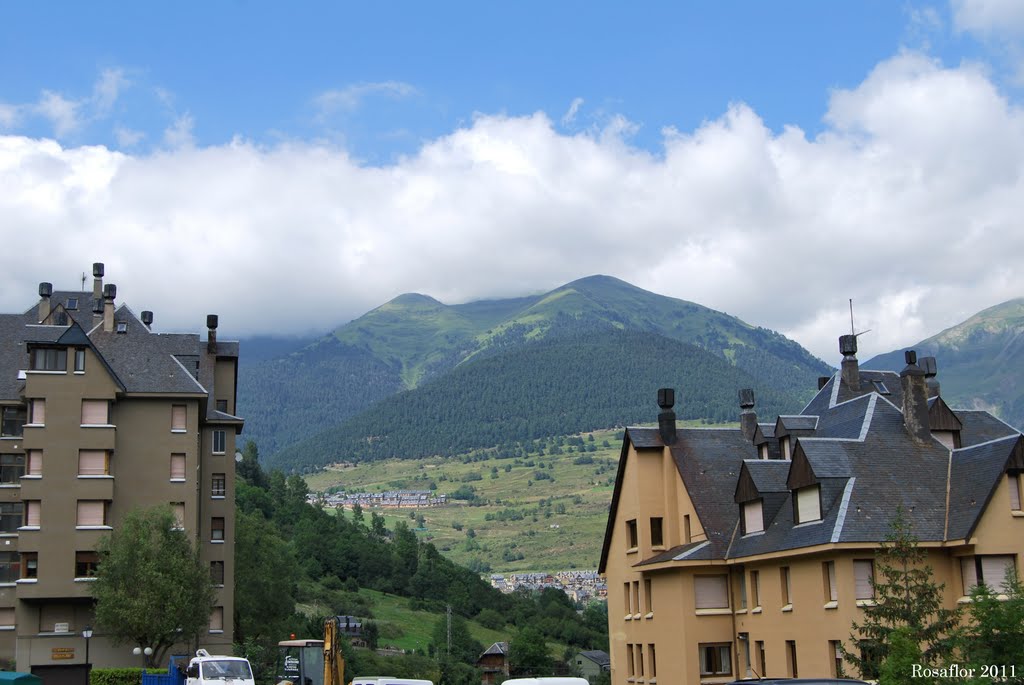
(980, 361)
(413, 339)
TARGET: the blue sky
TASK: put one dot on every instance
(471, 150)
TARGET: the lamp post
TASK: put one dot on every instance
(87, 633)
(139, 651)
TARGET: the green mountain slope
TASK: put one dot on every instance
(576, 381)
(414, 338)
(981, 361)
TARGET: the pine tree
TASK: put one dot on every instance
(906, 597)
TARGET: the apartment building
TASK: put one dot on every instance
(102, 415)
(738, 553)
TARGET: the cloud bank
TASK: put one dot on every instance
(909, 202)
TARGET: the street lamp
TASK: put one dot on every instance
(87, 633)
(144, 653)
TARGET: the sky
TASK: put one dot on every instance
(291, 166)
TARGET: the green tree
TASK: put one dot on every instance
(528, 654)
(265, 580)
(897, 669)
(151, 588)
(906, 596)
(995, 629)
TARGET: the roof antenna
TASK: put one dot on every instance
(83, 281)
(853, 331)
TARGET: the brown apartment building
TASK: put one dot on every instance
(738, 553)
(101, 415)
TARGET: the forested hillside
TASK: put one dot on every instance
(575, 382)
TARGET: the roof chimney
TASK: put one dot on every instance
(45, 290)
(915, 399)
(147, 318)
(97, 311)
(748, 417)
(109, 293)
(851, 370)
(667, 417)
(931, 369)
(211, 341)
(97, 283)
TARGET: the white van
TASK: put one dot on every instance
(388, 680)
(554, 680)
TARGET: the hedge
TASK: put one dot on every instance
(120, 676)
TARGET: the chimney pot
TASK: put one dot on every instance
(211, 321)
(848, 345)
(666, 398)
(109, 291)
(667, 417)
(748, 417)
(45, 289)
(97, 269)
(911, 357)
(211, 341)
(147, 318)
(850, 367)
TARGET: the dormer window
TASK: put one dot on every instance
(72, 303)
(762, 451)
(808, 504)
(753, 517)
(880, 387)
(787, 453)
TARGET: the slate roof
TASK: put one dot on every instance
(598, 656)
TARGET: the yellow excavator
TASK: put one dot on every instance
(312, 662)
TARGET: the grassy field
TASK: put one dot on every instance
(533, 513)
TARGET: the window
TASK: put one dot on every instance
(988, 569)
(33, 513)
(636, 599)
(787, 598)
(178, 466)
(217, 620)
(711, 592)
(715, 660)
(630, 669)
(753, 518)
(217, 529)
(808, 504)
(219, 442)
(7, 617)
(794, 671)
(1013, 482)
(741, 588)
(686, 529)
(122, 326)
(784, 444)
(29, 564)
(179, 514)
(49, 359)
(37, 412)
(95, 413)
(93, 463)
(178, 418)
(10, 567)
(91, 513)
(828, 577)
(761, 660)
(648, 597)
(652, 662)
(871, 656)
(11, 514)
(755, 588)
(627, 595)
(639, 660)
(657, 539)
(217, 572)
(72, 303)
(85, 564)
(13, 422)
(836, 648)
(80, 360)
(218, 485)
(12, 468)
(222, 406)
(35, 463)
(863, 577)
(631, 538)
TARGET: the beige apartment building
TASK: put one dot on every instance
(102, 415)
(738, 553)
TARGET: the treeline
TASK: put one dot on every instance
(574, 382)
(289, 552)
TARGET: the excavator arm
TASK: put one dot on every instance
(334, 661)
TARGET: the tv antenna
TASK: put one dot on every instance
(853, 331)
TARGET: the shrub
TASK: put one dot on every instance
(120, 676)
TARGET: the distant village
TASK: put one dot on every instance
(393, 499)
(581, 586)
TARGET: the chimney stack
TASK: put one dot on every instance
(931, 369)
(45, 290)
(748, 417)
(851, 370)
(915, 399)
(211, 341)
(97, 311)
(667, 417)
(97, 282)
(147, 318)
(109, 293)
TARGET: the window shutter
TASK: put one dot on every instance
(969, 572)
(1013, 480)
(217, 619)
(32, 513)
(753, 517)
(39, 412)
(94, 412)
(863, 571)
(178, 467)
(92, 463)
(179, 513)
(993, 571)
(90, 513)
(712, 592)
(178, 417)
(808, 504)
(35, 462)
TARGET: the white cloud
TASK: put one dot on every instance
(127, 137)
(351, 97)
(179, 133)
(570, 114)
(60, 111)
(989, 17)
(107, 89)
(9, 115)
(909, 202)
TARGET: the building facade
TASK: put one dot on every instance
(101, 416)
(739, 553)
